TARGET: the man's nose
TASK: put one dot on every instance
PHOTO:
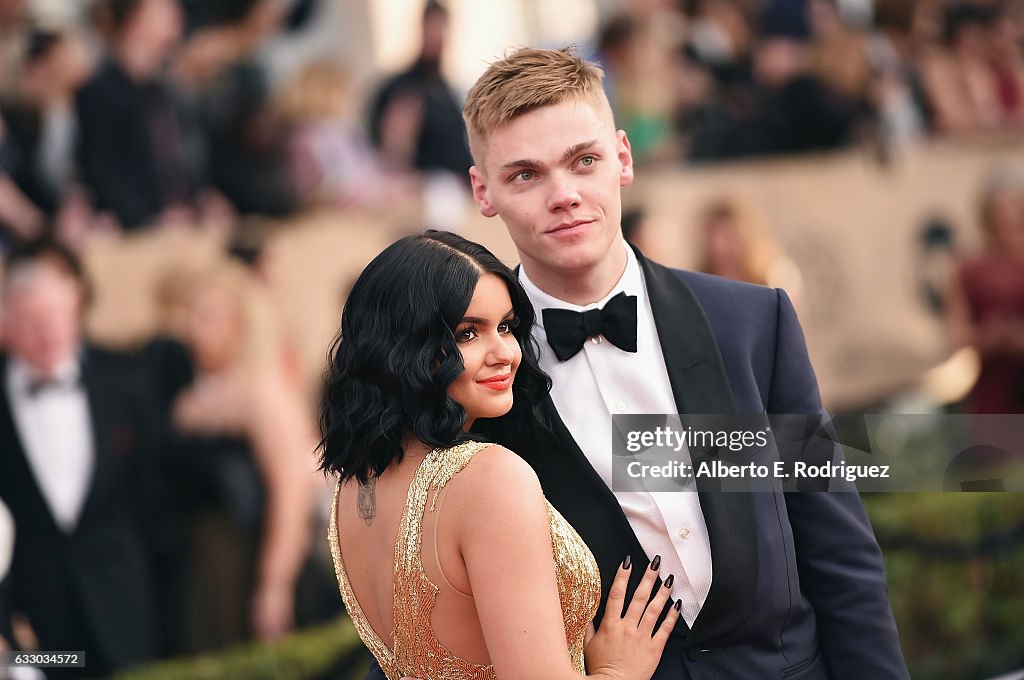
(564, 194)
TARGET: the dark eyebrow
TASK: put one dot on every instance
(477, 319)
(523, 163)
(573, 150)
(577, 148)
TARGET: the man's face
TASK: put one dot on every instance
(41, 321)
(554, 176)
(158, 24)
(435, 34)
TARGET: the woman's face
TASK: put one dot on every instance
(490, 352)
(215, 328)
(1006, 216)
(723, 247)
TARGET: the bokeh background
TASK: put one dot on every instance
(224, 168)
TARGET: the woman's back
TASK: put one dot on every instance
(420, 618)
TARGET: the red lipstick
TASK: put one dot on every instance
(498, 382)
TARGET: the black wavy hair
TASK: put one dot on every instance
(395, 357)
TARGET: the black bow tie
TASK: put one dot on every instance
(568, 330)
(40, 385)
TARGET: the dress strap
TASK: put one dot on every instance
(437, 469)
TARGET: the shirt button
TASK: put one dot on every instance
(620, 407)
(684, 533)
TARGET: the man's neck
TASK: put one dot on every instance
(584, 286)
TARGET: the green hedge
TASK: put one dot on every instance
(331, 651)
(958, 598)
(959, 617)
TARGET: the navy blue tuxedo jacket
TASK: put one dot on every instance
(798, 589)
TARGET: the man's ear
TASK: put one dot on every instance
(476, 177)
(625, 155)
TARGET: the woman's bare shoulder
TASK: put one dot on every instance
(496, 481)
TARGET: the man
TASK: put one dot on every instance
(137, 147)
(415, 117)
(40, 120)
(771, 584)
(74, 439)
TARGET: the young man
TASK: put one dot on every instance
(772, 585)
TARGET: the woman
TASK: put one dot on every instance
(986, 302)
(243, 427)
(736, 245)
(450, 561)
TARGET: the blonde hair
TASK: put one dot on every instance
(261, 345)
(528, 79)
(317, 93)
(757, 251)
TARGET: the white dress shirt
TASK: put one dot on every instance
(601, 380)
(55, 429)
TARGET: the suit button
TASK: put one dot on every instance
(697, 653)
(684, 533)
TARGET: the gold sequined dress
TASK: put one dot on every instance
(417, 652)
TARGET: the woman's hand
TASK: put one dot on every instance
(629, 647)
(272, 612)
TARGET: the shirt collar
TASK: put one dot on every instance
(630, 283)
(21, 375)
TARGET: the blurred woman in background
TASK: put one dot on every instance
(333, 162)
(986, 303)
(244, 438)
(734, 245)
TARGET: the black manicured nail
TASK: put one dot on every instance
(669, 580)
(678, 605)
(656, 564)
(627, 562)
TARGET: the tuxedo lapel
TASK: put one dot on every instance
(700, 385)
(100, 419)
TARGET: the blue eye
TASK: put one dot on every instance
(525, 175)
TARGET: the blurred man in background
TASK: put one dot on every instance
(416, 119)
(138, 153)
(40, 116)
(75, 437)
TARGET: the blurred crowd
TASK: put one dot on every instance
(164, 502)
(136, 114)
(164, 113)
(711, 80)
